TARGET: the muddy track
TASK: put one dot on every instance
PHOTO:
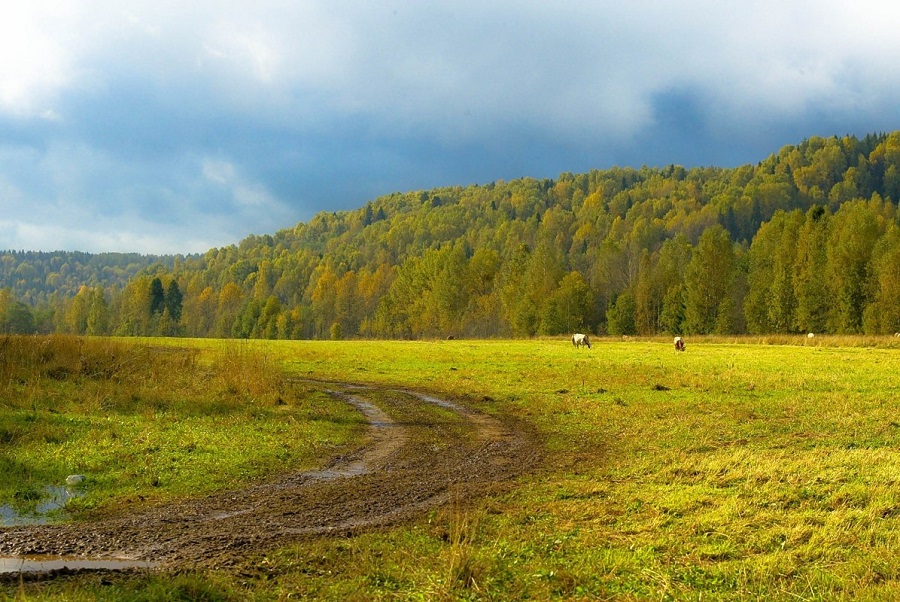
(416, 456)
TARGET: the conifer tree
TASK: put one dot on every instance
(157, 296)
(173, 300)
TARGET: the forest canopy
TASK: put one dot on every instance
(805, 241)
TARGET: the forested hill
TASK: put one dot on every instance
(35, 277)
(46, 281)
(806, 240)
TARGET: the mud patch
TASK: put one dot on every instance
(413, 459)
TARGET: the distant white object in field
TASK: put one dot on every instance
(811, 336)
(75, 479)
(580, 339)
(679, 344)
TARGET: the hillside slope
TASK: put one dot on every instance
(805, 240)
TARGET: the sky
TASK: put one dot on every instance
(165, 126)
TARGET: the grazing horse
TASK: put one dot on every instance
(580, 339)
(679, 344)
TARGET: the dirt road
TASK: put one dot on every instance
(420, 452)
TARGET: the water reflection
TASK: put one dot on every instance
(42, 564)
(54, 498)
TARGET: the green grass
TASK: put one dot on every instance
(743, 469)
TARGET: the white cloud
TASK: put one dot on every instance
(218, 171)
(254, 196)
(33, 63)
(92, 201)
(253, 50)
(247, 194)
(114, 238)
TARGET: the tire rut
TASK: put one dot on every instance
(413, 459)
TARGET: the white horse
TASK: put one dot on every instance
(580, 339)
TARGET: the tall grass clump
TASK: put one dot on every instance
(249, 374)
(61, 373)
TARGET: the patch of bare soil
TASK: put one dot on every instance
(417, 456)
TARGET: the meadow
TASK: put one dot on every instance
(742, 469)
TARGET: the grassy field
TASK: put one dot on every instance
(148, 423)
(739, 470)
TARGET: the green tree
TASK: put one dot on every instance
(882, 316)
(373, 287)
(157, 296)
(76, 314)
(648, 296)
(709, 281)
(15, 316)
(810, 277)
(133, 317)
(427, 298)
(228, 308)
(783, 302)
(245, 324)
(885, 159)
(199, 312)
(348, 303)
(671, 317)
(98, 314)
(173, 300)
(668, 277)
(519, 314)
(323, 299)
(569, 307)
(165, 324)
(543, 272)
(620, 317)
(267, 323)
(482, 294)
(771, 305)
(856, 228)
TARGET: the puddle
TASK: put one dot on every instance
(377, 419)
(355, 469)
(438, 402)
(55, 498)
(43, 564)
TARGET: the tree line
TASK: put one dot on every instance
(806, 240)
